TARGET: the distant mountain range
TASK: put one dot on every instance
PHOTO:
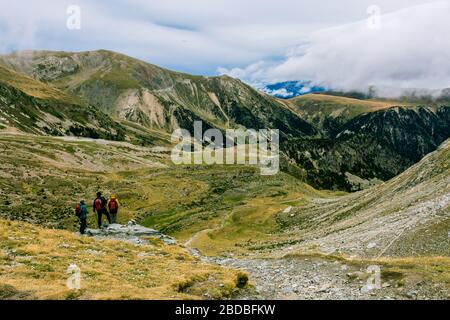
(291, 89)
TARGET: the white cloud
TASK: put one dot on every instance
(198, 36)
(280, 93)
(411, 49)
(305, 90)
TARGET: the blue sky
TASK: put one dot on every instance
(256, 40)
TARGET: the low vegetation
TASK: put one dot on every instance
(34, 263)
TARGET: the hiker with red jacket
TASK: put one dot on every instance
(100, 207)
(113, 206)
(81, 212)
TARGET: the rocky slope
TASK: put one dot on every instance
(370, 147)
(31, 106)
(155, 97)
(399, 228)
(327, 278)
(405, 216)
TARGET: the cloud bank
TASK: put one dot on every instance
(258, 41)
(409, 48)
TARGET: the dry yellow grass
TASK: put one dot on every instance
(33, 87)
(370, 103)
(35, 260)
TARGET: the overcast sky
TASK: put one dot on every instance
(347, 44)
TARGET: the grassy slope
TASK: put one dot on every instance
(33, 87)
(34, 262)
(40, 185)
(29, 105)
(32, 106)
(368, 103)
(218, 209)
(317, 107)
(43, 177)
(155, 97)
(222, 210)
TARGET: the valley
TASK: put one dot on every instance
(125, 99)
(243, 221)
(363, 182)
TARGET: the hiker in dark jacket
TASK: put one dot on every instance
(99, 206)
(82, 213)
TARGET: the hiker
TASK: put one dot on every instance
(113, 206)
(81, 212)
(100, 207)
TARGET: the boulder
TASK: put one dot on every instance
(129, 232)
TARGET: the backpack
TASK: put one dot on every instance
(98, 204)
(78, 210)
(113, 205)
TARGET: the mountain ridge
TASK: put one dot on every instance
(312, 243)
(145, 102)
(135, 90)
(393, 215)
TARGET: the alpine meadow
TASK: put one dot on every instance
(224, 151)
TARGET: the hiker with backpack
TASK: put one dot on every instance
(113, 206)
(99, 206)
(81, 212)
